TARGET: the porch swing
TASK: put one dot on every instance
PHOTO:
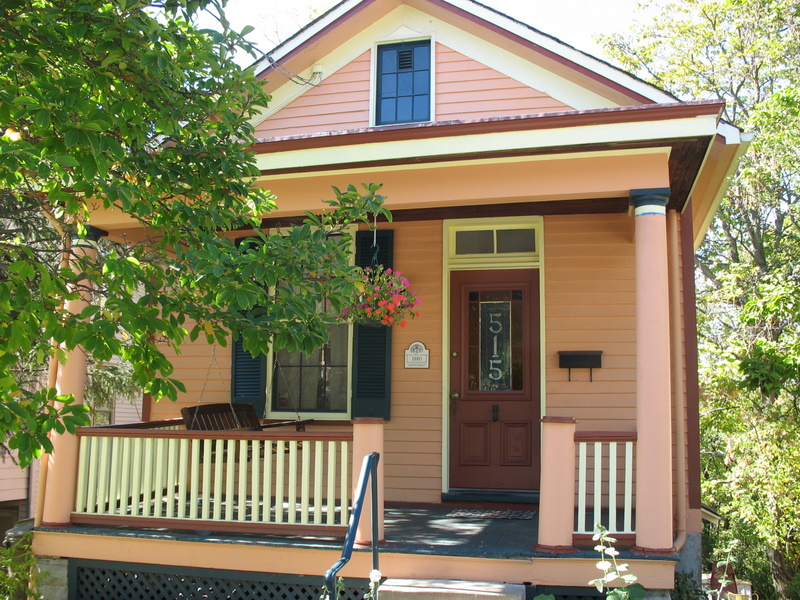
(228, 416)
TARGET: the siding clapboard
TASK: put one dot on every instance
(413, 437)
(590, 304)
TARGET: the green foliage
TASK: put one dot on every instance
(126, 107)
(686, 588)
(18, 574)
(614, 574)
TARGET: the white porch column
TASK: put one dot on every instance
(368, 438)
(62, 467)
(557, 487)
(653, 393)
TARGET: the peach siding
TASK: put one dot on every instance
(204, 370)
(465, 89)
(413, 437)
(590, 305)
(341, 101)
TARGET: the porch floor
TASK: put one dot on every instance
(479, 533)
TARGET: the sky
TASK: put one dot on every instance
(575, 22)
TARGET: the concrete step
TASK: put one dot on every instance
(442, 589)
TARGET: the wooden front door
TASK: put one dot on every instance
(494, 379)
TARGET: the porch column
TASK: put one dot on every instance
(368, 438)
(62, 464)
(557, 486)
(653, 393)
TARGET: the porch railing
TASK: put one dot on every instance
(605, 481)
(226, 480)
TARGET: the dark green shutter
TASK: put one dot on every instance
(249, 379)
(372, 345)
(248, 374)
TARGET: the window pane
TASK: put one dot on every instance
(422, 80)
(421, 108)
(387, 111)
(337, 396)
(422, 56)
(285, 383)
(516, 240)
(388, 85)
(388, 60)
(405, 83)
(338, 344)
(474, 242)
(404, 110)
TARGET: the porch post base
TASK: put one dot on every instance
(653, 551)
(555, 549)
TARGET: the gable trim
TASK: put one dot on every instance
(556, 50)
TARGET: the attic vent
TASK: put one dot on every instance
(405, 59)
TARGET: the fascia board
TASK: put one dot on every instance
(741, 141)
(562, 138)
(564, 50)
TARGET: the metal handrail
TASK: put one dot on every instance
(369, 468)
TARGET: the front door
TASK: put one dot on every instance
(494, 379)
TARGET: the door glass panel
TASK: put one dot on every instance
(495, 340)
(495, 354)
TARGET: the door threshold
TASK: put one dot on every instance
(481, 495)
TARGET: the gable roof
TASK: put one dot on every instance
(313, 42)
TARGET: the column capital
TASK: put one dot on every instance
(649, 201)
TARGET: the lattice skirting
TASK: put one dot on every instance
(98, 580)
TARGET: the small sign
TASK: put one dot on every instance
(417, 356)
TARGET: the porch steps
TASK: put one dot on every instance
(441, 589)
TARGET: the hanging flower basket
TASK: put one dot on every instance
(385, 299)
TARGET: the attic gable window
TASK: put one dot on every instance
(403, 83)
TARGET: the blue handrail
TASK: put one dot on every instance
(369, 469)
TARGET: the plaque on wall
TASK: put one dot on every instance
(417, 356)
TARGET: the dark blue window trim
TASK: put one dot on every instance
(403, 83)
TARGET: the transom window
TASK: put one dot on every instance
(403, 83)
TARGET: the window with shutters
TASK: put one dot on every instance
(403, 83)
(348, 377)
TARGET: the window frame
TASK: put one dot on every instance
(374, 70)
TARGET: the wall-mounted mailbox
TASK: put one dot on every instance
(580, 359)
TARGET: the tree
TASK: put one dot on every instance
(127, 106)
(745, 52)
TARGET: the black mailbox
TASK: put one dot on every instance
(580, 359)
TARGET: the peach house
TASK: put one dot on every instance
(547, 207)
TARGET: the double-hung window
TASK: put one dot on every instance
(403, 83)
